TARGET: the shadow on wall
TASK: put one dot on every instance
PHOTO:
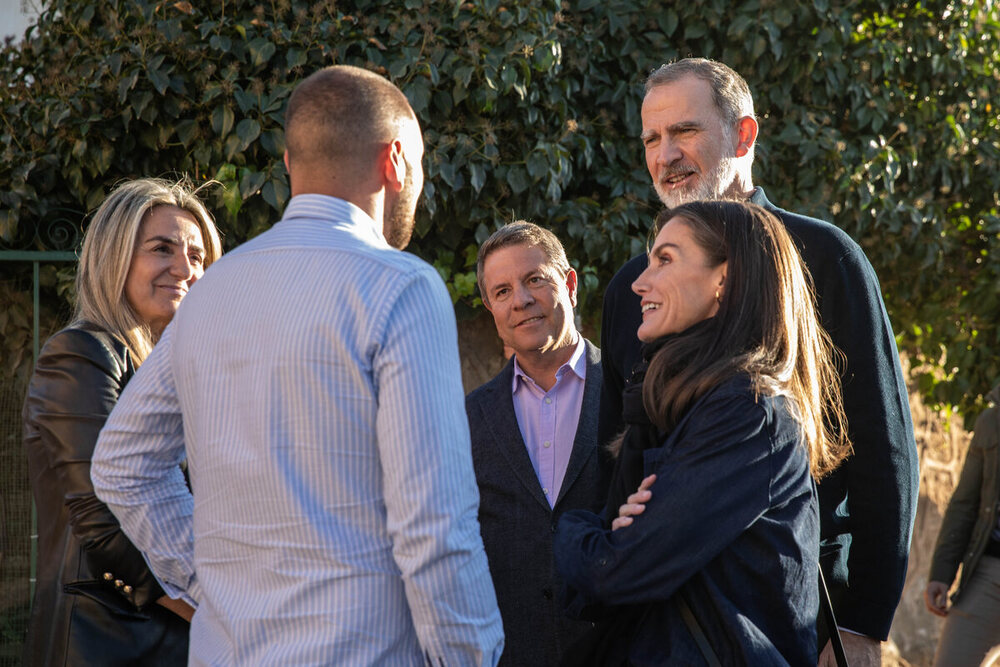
(480, 350)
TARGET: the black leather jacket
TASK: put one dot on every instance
(95, 598)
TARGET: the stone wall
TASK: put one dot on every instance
(942, 445)
(480, 350)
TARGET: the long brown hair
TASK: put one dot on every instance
(766, 327)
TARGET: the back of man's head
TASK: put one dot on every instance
(729, 90)
(340, 118)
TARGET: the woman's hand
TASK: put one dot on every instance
(936, 597)
(636, 504)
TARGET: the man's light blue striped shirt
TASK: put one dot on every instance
(312, 380)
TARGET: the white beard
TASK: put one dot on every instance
(711, 185)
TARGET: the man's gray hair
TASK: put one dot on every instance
(729, 90)
(522, 232)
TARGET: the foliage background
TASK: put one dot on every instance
(878, 115)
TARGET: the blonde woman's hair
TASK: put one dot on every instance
(766, 327)
(109, 245)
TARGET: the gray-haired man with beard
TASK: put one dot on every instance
(699, 132)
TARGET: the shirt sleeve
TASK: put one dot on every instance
(726, 447)
(880, 480)
(136, 471)
(430, 491)
(75, 385)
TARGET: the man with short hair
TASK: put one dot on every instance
(699, 132)
(312, 382)
(534, 435)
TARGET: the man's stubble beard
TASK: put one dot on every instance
(399, 220)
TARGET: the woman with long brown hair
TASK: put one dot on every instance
(712, 540)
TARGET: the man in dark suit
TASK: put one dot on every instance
(534, 435)
(699, 132)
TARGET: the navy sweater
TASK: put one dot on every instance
(868, 505)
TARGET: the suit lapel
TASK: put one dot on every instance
(585, 441)
(501, 420)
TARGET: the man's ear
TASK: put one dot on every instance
(746, 135)
(571, 285)
(394, 166)
(286, 162)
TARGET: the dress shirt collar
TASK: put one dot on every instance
(339, 211)
(577, 364)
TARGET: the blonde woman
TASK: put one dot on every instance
(96, 602)
(711, 543)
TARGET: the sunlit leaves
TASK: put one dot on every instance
(878, 116)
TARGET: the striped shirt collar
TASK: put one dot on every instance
(338, 211)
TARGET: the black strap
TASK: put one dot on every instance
(699, 636)
(831, 622)
(706, 649)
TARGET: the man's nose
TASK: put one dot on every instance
(523, 297)
(669, 152)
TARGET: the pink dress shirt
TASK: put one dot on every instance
(548, 419)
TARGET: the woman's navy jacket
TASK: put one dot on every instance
(732, 524)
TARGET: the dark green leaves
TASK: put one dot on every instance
(261, 50)
(247, 130)
(880, 117)
(222, 120)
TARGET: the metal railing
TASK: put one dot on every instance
(51, 241)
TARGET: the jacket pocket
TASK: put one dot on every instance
(99, 592)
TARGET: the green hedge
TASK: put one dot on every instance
(873, 115)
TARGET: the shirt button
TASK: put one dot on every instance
(545, 491)
(108, 576)
(547, 444)
(547, 400)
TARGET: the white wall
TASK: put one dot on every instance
(16, 15)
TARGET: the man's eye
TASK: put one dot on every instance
(649, 141)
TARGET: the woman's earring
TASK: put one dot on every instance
(718, 297)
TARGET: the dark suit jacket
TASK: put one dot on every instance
(868, 505)
(516, 520)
